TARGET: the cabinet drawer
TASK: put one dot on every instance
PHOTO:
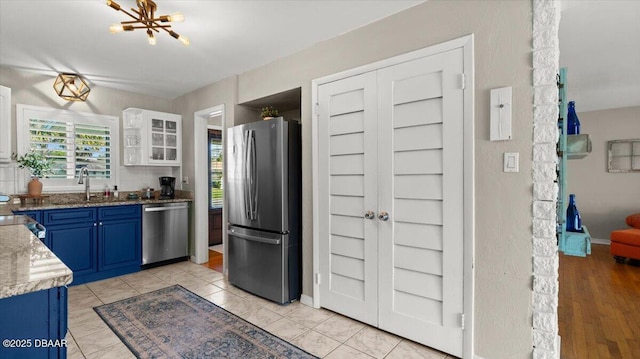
(67, 216)
(36, 215)
(119, 212)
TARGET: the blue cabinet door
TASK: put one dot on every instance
(35, 323)
(119, 244)
(76, 246)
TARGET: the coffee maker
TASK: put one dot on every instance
(167, 187)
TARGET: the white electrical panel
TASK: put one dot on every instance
(501, 109)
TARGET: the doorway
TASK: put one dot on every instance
(214, 139)
(214, 118)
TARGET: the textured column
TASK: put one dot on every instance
(546, 54)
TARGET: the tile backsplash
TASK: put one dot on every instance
(8, 178)
(130, 178)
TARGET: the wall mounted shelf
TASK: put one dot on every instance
(578, 146)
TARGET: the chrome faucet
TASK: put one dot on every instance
(84, 172)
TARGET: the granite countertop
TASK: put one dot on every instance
(77, 200)
(27, 265)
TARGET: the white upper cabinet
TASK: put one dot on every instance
(5, 124)
(151, 138)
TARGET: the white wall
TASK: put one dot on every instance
(605, 199)
(503, 236)
(34, 89)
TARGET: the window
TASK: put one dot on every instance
(624, 155)
(73, 146)
(215, 169)
(73, 140)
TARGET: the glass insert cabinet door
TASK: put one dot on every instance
(164, 140)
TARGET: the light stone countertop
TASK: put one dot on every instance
(76, 200)
(27, 265)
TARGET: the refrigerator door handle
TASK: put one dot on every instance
(254, 177)
(245, 176)
(254, 238)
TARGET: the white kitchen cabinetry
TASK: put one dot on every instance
(5, 124)
(151, 138)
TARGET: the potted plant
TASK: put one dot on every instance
(268, 113)
(39, 164)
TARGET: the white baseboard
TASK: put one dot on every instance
(606, 242)
(475, 356)
(306, 300)
(559, 346)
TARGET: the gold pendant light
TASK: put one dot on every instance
(147, 19)
(71, 87)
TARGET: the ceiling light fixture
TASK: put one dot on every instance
(146, 20)
(71, 87)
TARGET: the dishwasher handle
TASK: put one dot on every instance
(160, 209)
(254, 238)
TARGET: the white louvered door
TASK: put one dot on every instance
(391, 140)
(347, 176)
(420, 110)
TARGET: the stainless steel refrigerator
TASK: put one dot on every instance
(264, 192)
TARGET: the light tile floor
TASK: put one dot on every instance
(318, 331)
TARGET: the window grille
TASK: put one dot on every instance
(72, 146)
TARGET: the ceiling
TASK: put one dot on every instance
(227, 37)
(598, 42)
(600, 47)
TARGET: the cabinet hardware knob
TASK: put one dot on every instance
(369, 215)
(383, 216)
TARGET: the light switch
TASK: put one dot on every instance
(511, 162)
(501, 107)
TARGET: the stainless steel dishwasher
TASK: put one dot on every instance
(165, 232)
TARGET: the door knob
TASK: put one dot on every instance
(383, 216)
(369, 215)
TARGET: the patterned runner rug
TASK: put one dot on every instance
(174, 323)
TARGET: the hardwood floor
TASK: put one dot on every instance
(215, 261)
(599, 307)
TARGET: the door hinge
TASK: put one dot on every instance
(463, 81)
(461, 317)
(317, 278)
(316, 110)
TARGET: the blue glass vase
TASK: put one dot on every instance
(574, 222)
(573, 124)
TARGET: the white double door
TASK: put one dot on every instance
(390, 182)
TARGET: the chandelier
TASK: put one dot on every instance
(146, 19)
(71, 87)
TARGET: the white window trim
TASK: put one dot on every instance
(24, 112)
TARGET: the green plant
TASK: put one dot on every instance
(37, 162)
(269, 111)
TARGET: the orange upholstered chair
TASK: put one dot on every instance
(625, 243)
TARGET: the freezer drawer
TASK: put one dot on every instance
(263, 263)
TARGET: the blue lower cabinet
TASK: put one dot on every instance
(76, 246)
(96, 243)
(34, 325)
(119, 244)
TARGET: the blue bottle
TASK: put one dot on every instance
(574, 222)
(573, 124)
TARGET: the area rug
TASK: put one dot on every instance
(175, 323)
